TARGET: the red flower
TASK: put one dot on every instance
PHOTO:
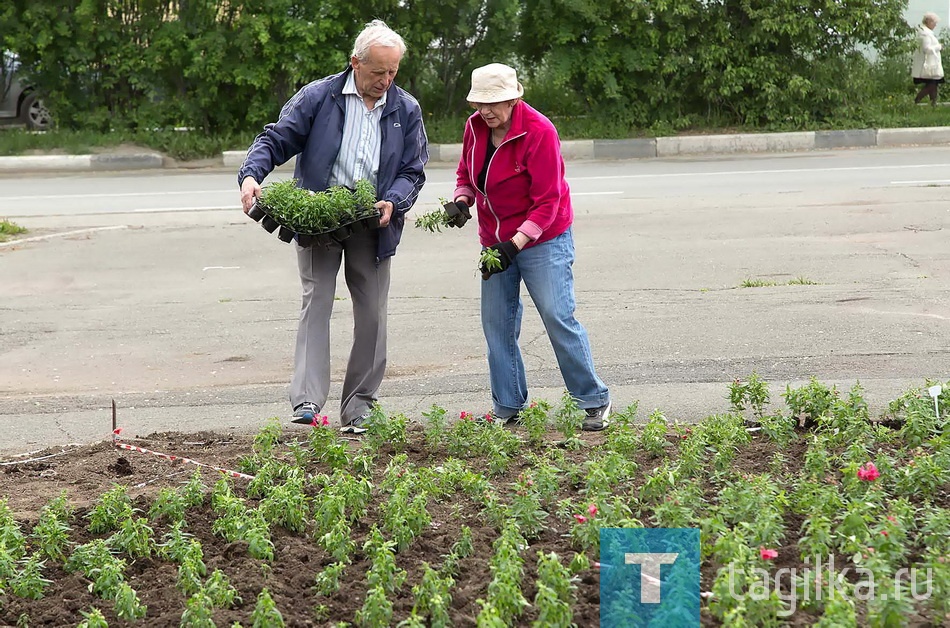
(319, 421)
(592, 510)
(489, 418)
(767, 554)
(466, 416)
(868, 472)
(580, 518)
(892, 518)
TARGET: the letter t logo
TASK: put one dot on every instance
(649, 573)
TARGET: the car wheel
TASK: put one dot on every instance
(34, 113)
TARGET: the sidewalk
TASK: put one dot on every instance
(644, 148)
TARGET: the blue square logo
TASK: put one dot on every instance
(649, 577)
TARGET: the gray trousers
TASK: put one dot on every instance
(368, 284)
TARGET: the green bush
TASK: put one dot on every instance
(599, 68)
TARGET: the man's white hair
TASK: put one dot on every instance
(376, 33)
(930, 17)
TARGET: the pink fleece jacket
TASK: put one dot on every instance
(525, 189)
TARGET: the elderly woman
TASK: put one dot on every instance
(927, 69)
(511, 169)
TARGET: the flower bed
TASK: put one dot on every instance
(316, 217)
(444, 521)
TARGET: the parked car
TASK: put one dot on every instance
(19, 102)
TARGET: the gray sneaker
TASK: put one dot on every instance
(359, 425)
(304, 413)
(597, 418)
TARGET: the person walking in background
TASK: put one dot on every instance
(511, 169)
(353, 125)
(927, 69)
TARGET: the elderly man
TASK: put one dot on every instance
(349, 126)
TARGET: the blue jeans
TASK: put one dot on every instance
(546, 271)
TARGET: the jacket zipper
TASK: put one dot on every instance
(487, 170)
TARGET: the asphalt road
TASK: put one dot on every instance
(155, 290)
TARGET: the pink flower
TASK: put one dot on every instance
(319, 421)
(767, 554)
(892, 518)
(466, 416)
(884, 532)
(488, 417)
(580, 518)
(592, 510)
(868, 472)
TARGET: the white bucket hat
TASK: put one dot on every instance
(495, 82)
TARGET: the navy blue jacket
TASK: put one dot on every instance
(311, 127)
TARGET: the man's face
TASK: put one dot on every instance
(374, 75)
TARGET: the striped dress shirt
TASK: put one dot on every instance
(359, 152)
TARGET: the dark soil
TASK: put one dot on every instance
(85, 473)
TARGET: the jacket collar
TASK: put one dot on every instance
(339, 82)
(518, 125)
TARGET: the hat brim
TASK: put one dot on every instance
(494, 96)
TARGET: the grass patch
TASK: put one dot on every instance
(756, 283)
(9, 229)
(181, 145)
(765, 283)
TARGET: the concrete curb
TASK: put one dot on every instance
(640, 148)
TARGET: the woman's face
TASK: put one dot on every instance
(496, 114)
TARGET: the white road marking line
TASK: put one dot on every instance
(592, 193)
(220, 268)
(176, 209)
(61, 235)
(920, 182)
(743, 172)
(121, 194)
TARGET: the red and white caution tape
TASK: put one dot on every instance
(143, 450)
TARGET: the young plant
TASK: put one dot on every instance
(328, 580)
(93, 619)
(113, 507)
(134, 537)
(434, 221)
(169, 505)
(265, 613)
(753, 394)
(52, 535)
(29, 582)
(384, 429)
(807, 403)
(555, 594)
(219, 589)
(568, 420)
(489, 259)
(377, 609)
(534, 420)
(267, 438)
(436, 426)
(653, 437)
(432, 597)
(193, 492)
(199, 611)
(525, 509)
(127, 603)
(287, 505)
(507, 568)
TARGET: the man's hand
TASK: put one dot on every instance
(385, 212)
(507, 251)
(458, 213)
(250, 189)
